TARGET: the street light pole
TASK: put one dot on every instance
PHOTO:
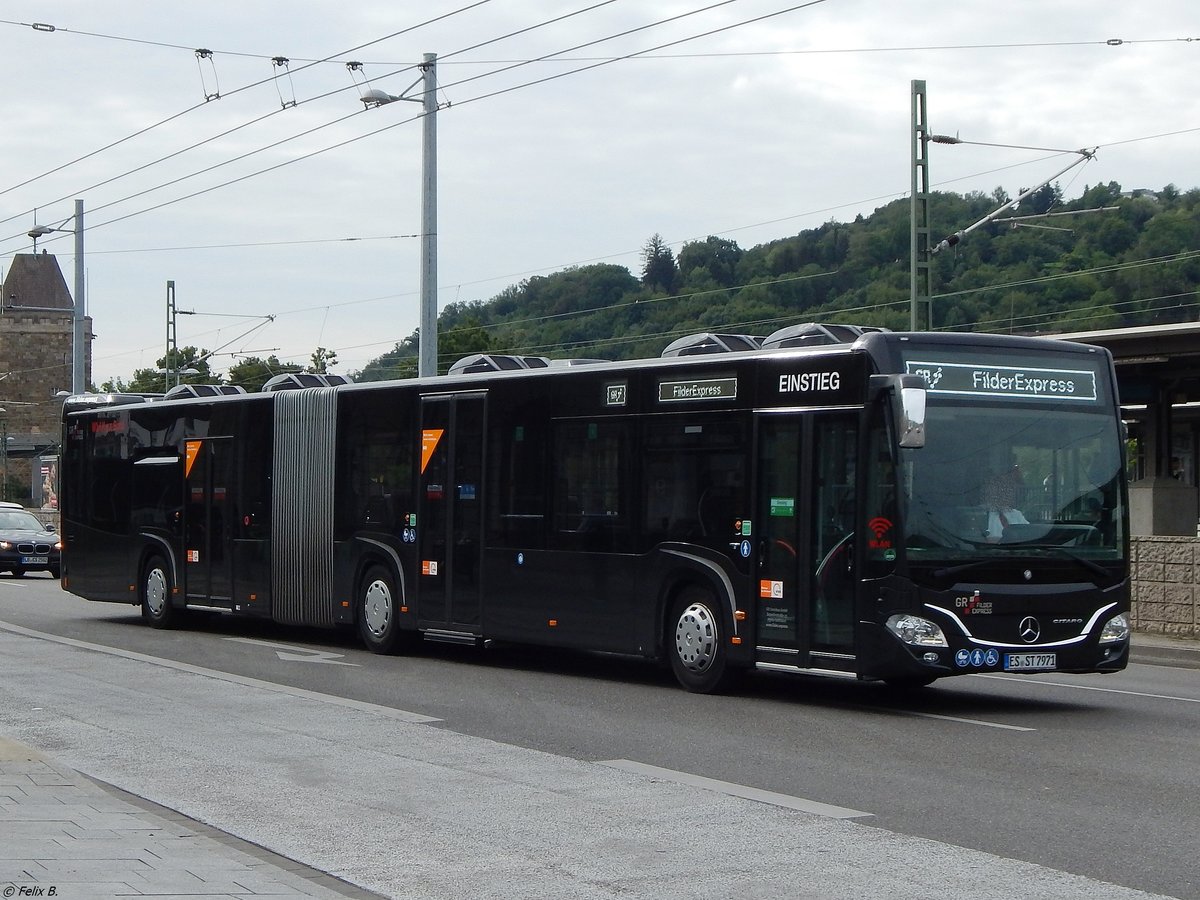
(427, 350)
(78, 355)
(427, 353)
(78, 332)
(920, 316)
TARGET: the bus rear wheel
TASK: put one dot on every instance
(378, 608)
(695, 643)
(156, 595)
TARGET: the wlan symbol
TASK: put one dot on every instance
(880, 526)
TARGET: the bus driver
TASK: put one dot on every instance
(1000, 499)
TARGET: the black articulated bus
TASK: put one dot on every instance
(832, 499)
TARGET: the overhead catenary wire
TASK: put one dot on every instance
(413, 118)
(272, 113)
(713, 31)
(642, 54)
(238, 90)
(924, 48)
(285, 104)
(487, 96)
(473, 46)
(250, 244)
(1175, 132)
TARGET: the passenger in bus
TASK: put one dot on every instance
(1000, 498)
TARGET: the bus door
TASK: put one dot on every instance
(207, 528)
(806, 567)
(450, 512)
(157, 509)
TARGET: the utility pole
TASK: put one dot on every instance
(79, 318)
(171, 360)
(427, 350)
(79, 323)
(920, 288)
(427, 354)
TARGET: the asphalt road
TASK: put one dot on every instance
(1096, 776)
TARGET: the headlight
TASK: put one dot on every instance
(1115, 629)
(917, 632)
(6, 545)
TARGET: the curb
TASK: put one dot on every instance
(1165, 652)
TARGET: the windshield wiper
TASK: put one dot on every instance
(964, 567)
(1093, 567)
(1088, 564)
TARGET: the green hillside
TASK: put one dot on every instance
(1136, 264)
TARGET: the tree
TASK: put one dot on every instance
(854, 272)
(468, 338)
(716, 257)
(166, 375)
(253, 372)
(1042, 200)
(322, 359)
(659, 271)
(399, 362)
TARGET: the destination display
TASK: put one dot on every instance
(697, 389)
(984, 379)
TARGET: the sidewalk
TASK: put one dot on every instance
(63, 835)
(1159, 650)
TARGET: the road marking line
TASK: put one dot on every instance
(734, 790)
(388, 711)
(958, 719)
(298, 654)
(1018, 679)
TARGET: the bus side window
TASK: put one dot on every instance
(379, 465)
(672, 501)
(591, 481)
(516, 500)
(695, 482)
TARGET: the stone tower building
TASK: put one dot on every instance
(36, 335)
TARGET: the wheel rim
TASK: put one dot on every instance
(156, 592)
(696, 638)
(377, 607)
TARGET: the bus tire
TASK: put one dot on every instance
(378, 611)
(696, 643)
(156, 595)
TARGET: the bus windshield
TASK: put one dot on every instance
(999, 480)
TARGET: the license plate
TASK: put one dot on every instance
(34, 560)
(1028, 662)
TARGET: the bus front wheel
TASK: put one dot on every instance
(695, 642)
(378, 606)
(156, 595)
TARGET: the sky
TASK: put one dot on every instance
(288, 215)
